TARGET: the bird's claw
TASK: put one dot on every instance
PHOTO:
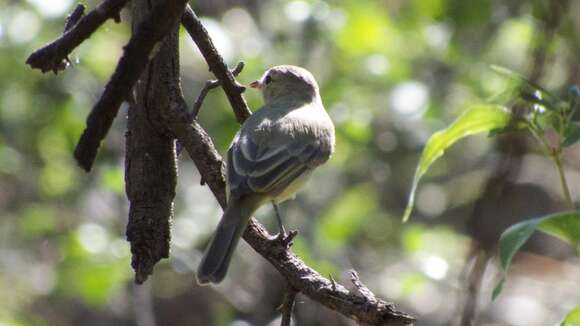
(286, 238)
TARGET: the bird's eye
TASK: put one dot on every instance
(267, 80)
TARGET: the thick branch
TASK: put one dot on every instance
(150, 162)
(137, 54)
(301, 277)
(53, 56)
(216, 64)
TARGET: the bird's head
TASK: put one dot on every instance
(287, 84)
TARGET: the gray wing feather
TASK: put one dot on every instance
(273, 170)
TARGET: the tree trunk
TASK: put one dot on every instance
(150, 166)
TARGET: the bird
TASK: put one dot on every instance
(270, 158)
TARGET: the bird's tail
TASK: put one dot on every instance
(216, 260)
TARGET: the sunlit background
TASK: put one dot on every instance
(391, 73)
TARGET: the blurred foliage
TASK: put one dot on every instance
(530, 103)
(391, 74)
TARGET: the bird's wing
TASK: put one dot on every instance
(269, 168)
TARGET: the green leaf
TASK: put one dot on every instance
(513, 239)
(547, 120)
(572, 134)
(477, 119)
(572, 318)
(563, 225)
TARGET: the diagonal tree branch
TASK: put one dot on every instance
(216, 64)
(73, 18)
(137, 54)
(53, 56)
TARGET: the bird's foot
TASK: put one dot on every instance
(286, 238)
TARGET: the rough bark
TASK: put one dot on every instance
(146, 38)
(150, 161)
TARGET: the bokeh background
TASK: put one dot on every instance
(391, 73)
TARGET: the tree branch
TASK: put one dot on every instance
(150, 159)
(74, 17)
(53, 57)
(216, 64)
(137, 54)
(209, 85)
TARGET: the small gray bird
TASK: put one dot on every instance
(270, 158)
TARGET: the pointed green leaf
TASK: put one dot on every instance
(572, 134)
(513, 239)
(572, 318)
(564, 225)
(480, 118)
(510, 242)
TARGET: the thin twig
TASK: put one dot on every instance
(333, 282)
(361, 288)
(288, 305)
(137, 54)
(474, 278)
(53, 56)
(74, 17)
(209, 85)
(216, 64)
(554, 154)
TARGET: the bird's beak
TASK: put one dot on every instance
(256, 84)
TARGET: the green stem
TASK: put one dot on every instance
(545, 146)
(563, 182)
(554, 154)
